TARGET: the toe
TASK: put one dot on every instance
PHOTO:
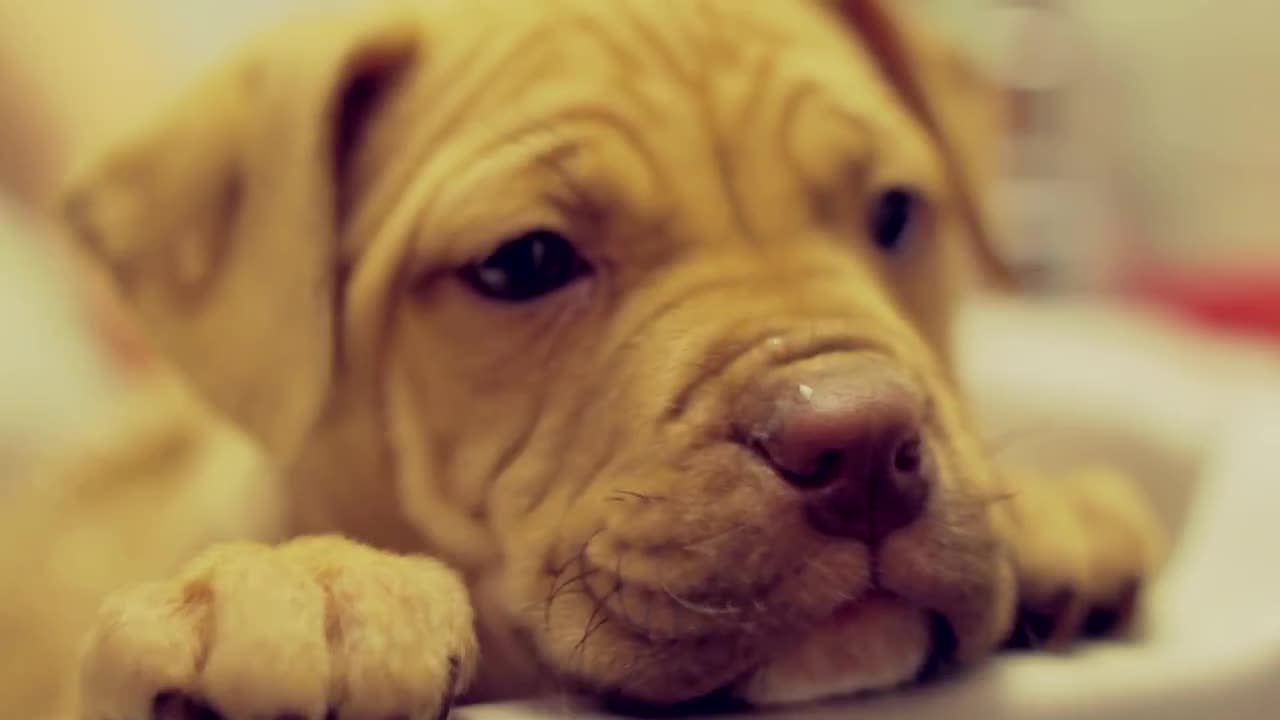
(268, 656)
(147, 640)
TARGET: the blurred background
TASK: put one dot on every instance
(1141, 164)
(1142, 133)
(1139, 191)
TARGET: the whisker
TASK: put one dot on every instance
(831, 576)
(732, 529)
(625, 495)
(592, 624)
(580, 577)
(564, 587)
(999, 498)
(1009, 439)
(591, 630)
(575, 556)
(659, 654)
(699, 608)
(559, 586)
(975, 501)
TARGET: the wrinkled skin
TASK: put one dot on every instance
(730, 243)
(579, 458)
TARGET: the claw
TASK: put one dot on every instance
(1116, 615)
(179, 706)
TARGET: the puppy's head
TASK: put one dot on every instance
(648, 302)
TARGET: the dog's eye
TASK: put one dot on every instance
(893, 218)
(528, 267)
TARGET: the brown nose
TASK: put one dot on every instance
(850, 438)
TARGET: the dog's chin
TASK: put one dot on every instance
(877, 642)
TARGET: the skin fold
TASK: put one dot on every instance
(461, 496)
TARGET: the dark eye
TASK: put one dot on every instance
(893, 218)
(528, 267)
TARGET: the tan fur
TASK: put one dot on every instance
(289, 235)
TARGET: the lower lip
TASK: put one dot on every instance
(874, 643)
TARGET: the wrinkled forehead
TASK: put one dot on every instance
(712, 53)
(600, 105)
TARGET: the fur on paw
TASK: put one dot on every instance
(1085, 547)
(317, 629)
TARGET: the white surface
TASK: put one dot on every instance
(1199, 423)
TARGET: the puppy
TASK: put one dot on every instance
(593, 344)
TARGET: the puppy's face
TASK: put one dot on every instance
(642, 305)
(668, 322)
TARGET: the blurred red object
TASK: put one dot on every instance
(1242, 301)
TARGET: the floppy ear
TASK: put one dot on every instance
(220, 224)
(958, 106)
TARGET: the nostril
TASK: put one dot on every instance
(851, 440)
(820, 471)
(826, 468)
(908, 458)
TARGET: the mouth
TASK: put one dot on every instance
(787, 680)
(942, 649)
(730, 700)
(746, 604)
(876, 643)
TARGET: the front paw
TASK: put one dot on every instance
(316, 629)
(1084, 547)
